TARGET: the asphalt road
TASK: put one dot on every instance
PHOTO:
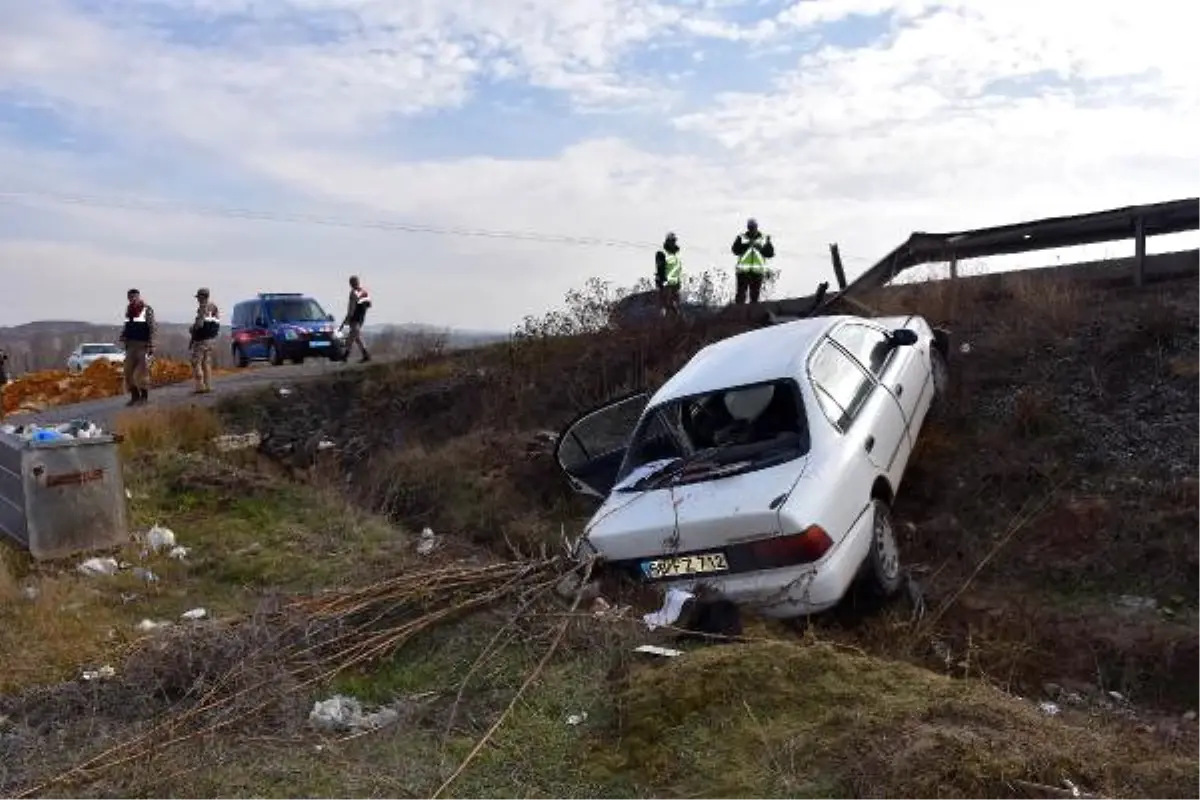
(257, 376)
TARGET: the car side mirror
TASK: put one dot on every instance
(903, 337)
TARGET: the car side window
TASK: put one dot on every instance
(841, 385)
(869, 346)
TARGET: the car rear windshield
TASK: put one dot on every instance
(298, 310)
(754, 421)
(99, 349)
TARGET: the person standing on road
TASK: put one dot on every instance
(204, 331)
(138, 338)
(668, 275)
(356, 315)
(752, 249)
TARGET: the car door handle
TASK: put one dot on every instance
(899, 389)
(869, 445)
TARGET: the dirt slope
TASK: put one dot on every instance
(1050, 517)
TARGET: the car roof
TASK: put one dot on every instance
(766, 354)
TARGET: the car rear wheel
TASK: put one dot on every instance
(881, 571)
(239, 357)
(274, 356)
(940, 373)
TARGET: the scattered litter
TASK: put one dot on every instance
(1120, 698)
(128, 495)
(99, 566)
(141, 573)
(1048, 708)
(427, 543)
(284, 391)
(148, 625)
(1190, 716)
(29, 592)
(346, 713)
(178, 552)
(325, 444)
(1131, 602)
(964, 348)
(655, 650)
(160, 538)
(237, 441)
(96, 674)
(577, 719)
(194, 614)
(671, 610)
(75, 429)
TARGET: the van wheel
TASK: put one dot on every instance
(239, 357)
(274, 356)
(881, 570)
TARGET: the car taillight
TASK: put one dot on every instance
(786, 551)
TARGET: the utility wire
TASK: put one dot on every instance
(162, 206)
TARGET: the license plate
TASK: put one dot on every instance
(698, 564)
(318, 344)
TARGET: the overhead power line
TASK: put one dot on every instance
(251, 215)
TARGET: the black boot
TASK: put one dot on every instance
(134, 397)
(365, 357)
(145, 395)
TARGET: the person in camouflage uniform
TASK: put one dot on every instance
(138, 338)
(204, 331)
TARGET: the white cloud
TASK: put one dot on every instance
(893, 115)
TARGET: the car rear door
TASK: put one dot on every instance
(859, 407)
(895, 367)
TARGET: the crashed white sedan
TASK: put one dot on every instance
(763, 471)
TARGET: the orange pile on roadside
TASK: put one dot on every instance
(55, 387)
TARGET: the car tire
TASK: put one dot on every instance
(939, 373)
(881, 569)
(274, 356)
(239, 357)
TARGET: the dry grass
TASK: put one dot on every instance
(167, 429)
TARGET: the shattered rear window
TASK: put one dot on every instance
(768, 414)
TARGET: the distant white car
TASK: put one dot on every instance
(764, 470)
(84, 355)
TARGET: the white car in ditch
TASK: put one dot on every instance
(763, 471)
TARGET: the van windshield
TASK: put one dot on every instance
(298, 310)
(755, 425)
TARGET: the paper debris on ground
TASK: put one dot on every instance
(194, 614)
(160, 538)
(671, 610)
(343, 713)
(178, 552)
(577, 719)
(237, 441)
(141, 573)
(427, 543)
(148, 625)
(99, 566)
(655, 650)
(1048, 708)
(97, 674)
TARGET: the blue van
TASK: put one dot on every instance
(280, 326)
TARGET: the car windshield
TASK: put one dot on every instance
(99, 350)
(298, 310)
(723, 431)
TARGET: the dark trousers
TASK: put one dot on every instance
(748, 281)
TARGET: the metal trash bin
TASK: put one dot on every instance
(64, 496)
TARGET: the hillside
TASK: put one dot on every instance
(1050, 518)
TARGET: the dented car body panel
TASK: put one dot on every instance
(758, 469)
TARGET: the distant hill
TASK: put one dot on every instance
(45, 344)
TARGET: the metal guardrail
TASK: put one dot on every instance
(62, 497)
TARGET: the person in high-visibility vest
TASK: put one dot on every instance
(752, 249)
(668, 275)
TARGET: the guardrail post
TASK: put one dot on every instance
(1139, 251)
(953, 267)
(838, 271)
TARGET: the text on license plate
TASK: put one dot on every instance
(318, 344)
(685, 565)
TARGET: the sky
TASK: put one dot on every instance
(281, 145)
